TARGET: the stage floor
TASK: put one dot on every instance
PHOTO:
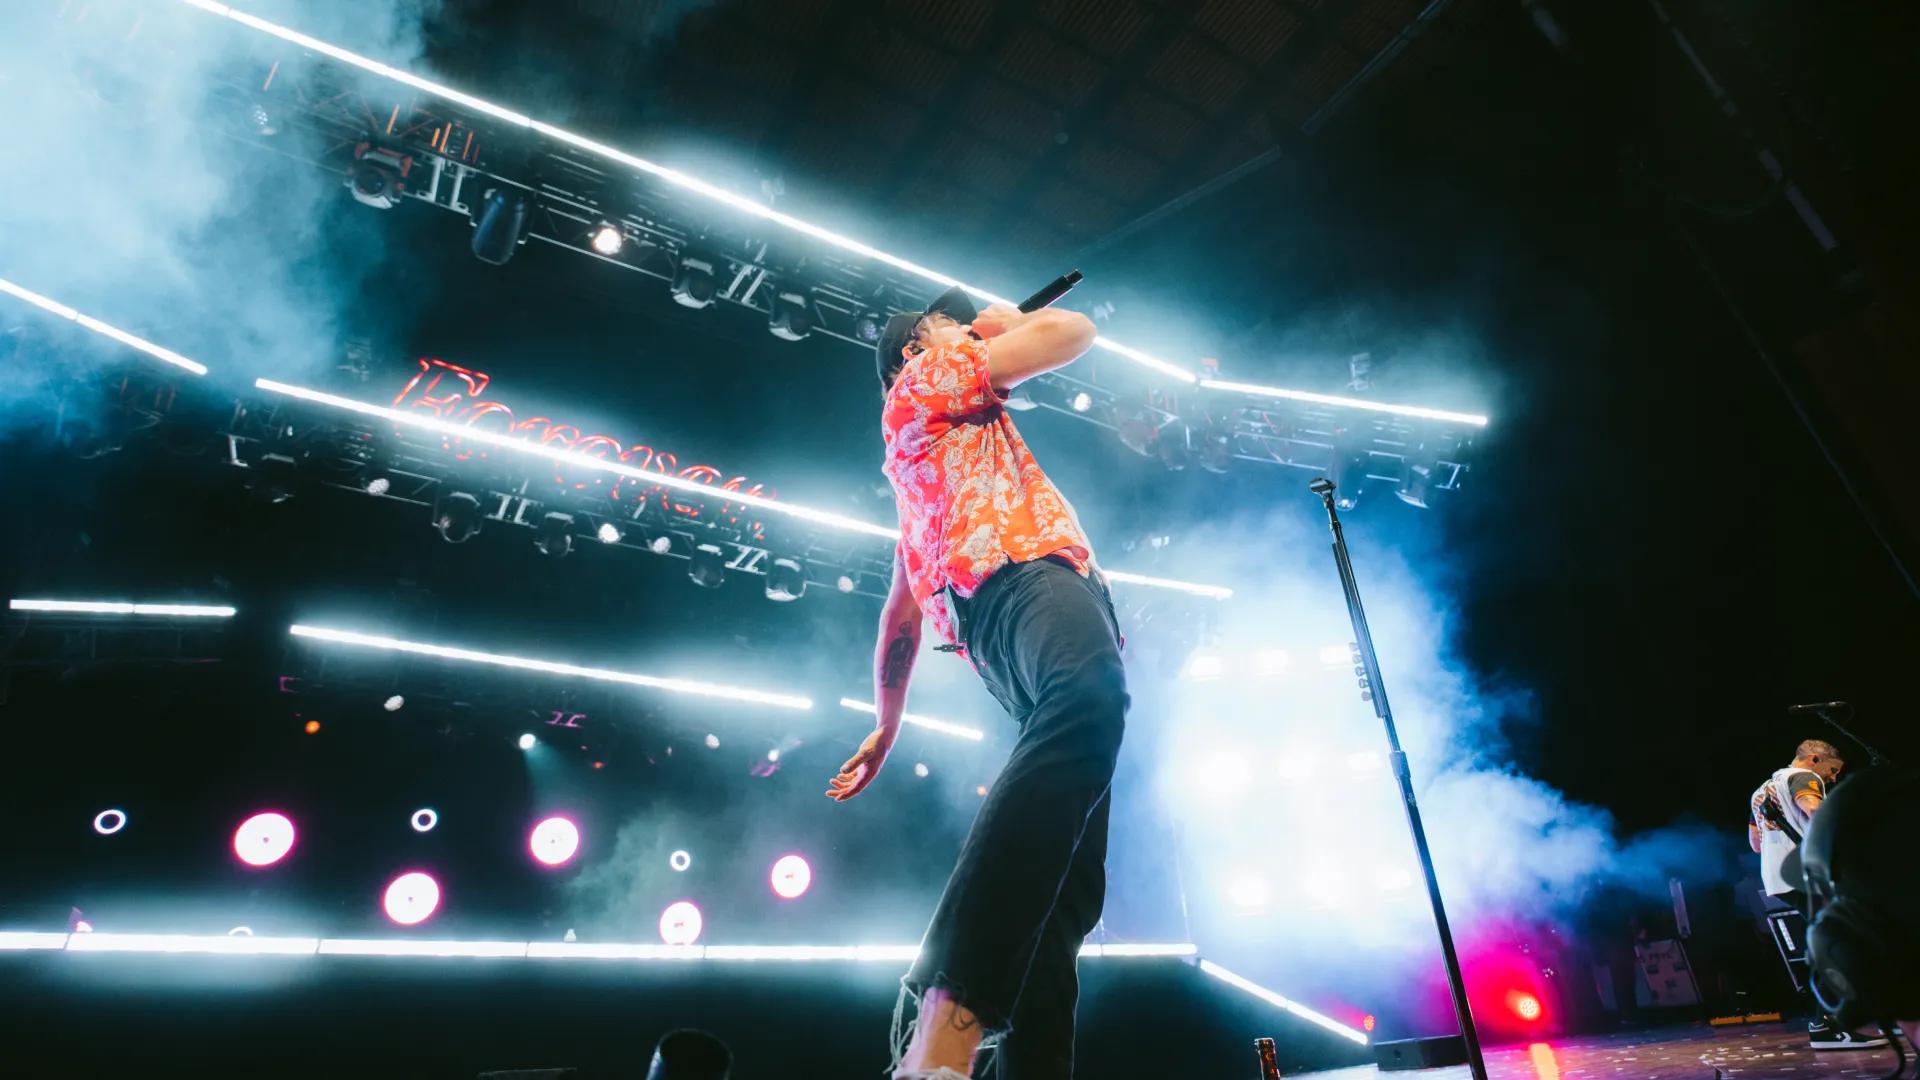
(1685, 1053)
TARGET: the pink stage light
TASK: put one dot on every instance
(412, 898)
(554, 841)
(791, 876)
(1525, 1006)
(680, 924)
(263, 839)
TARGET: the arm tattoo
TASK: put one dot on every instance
(899, 660)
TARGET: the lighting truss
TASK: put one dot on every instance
(928, 722)
(115, 607)
(133, 341)
(521, 663)
(580, 182)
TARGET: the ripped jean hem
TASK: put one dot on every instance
(900, 1035)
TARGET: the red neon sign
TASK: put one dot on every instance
(453, 393)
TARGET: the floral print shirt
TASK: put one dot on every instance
(970, 495)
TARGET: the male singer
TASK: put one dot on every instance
(993, 553)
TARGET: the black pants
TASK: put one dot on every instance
(1031, 880)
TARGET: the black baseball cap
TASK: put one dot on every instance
(955, 304)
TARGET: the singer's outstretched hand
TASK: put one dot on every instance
(996, 320)
(862, 767)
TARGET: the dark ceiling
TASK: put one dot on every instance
(1058, 121)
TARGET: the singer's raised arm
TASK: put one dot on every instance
(1042, 341)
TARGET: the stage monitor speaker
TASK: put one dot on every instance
(1435, 1052)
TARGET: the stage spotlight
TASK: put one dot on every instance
(1139, 431)
(1368, 1022)
(394, 703)
(1216, 447)
(607, 239)
(791, 876)
(500, 227)
(1525, 1006)
(693, 284)
(920, 769)
(713, 742)
(844, 583)
(680, 861)
(786, 581)
(867, 326)
(661, 545)
(262, 119)
(554, 535)
(457, 517)
(1418, 487)
(1249, 892)
(1204, 664)
(379, 485)
(554, 841)
(263, 839)
(424, 819)
(1349, 479)
(411, 898)
(270, 479)
(378, 177)
(790, 318)
(527, 741)
(1271, 662)
(680, 923)
(708, 567)
(108, 822)
(980, 790)
(608, 532)
(773, 755)
(1022, 400)
(312, 727)
(1080, 402)
(240, 931)
(82, 926)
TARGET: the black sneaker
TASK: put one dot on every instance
(1826, 1038)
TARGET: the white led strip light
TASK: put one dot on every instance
(680, 686)
(587, 461)
(1317, 1018)
(1415, 411)
(114, 607)
(927, 722)
(98, 327)
(766, 213)
(16, 941)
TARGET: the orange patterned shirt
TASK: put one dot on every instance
(971, 497)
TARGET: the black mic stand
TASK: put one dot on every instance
(1376, 691)
(1826, 715)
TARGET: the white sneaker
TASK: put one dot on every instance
(1835, 1039)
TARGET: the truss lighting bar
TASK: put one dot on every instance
(1214, 592)
(114, 607)
(1317, 1018)
(927, 722)
(680, 686)
(760, 210)
(574, 458)
(1416, 411)
(193, 943)
(586, 461)
(98, 327)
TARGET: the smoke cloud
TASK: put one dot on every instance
(128, 196)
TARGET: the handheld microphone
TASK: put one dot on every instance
(1054, 290)
(1816, 707)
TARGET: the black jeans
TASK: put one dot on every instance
(1031, 880)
